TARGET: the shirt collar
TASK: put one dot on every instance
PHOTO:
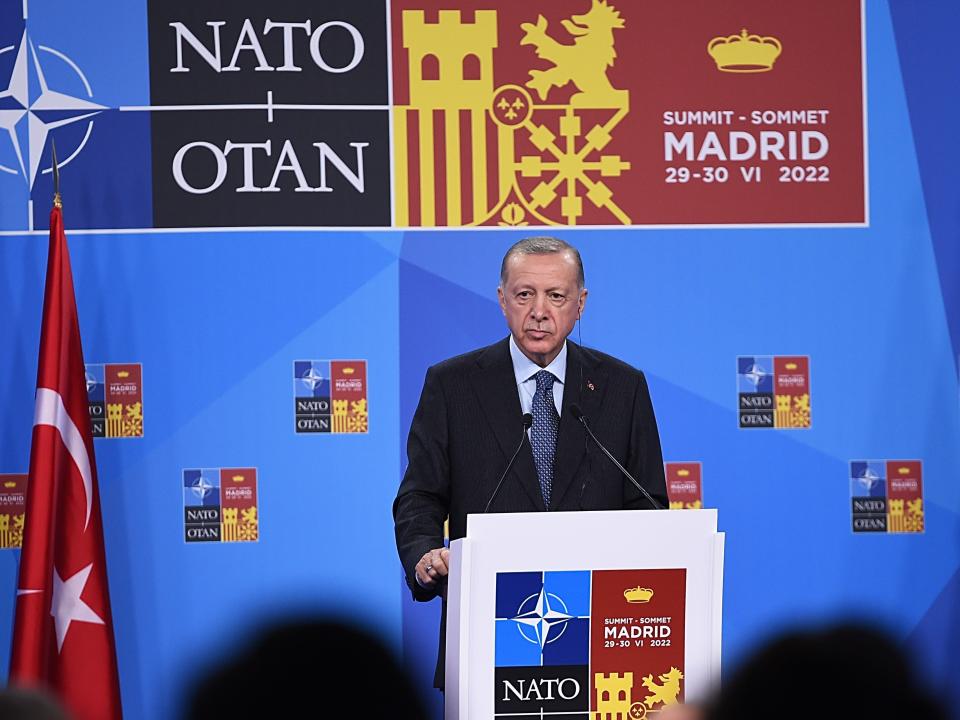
(524, 368)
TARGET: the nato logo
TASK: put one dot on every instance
(754, 374)
(543, 618)
(542, 644)
(45, 90)
(755, 404)
(201, 505)
(311, 396)
(201, 487)
(96, 400)
(94, 379)
(868, 479)
(311, 378)
(868, 496)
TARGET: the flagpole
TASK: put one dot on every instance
(57, 203)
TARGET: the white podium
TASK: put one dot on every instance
(602, 615)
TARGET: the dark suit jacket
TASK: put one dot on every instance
(468, 424)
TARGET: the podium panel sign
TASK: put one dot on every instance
(578, 642)
(583, 615)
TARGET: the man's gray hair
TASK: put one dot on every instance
(542, 245)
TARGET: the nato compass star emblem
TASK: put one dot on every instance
(201, 488)
(35, 108)
(869, 479)
(312, 378)
(542, 618)
(91, 382)
(756, 374)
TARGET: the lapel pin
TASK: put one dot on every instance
(590, 385)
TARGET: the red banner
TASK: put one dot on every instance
(63, 631)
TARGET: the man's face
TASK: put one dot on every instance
(541, 300)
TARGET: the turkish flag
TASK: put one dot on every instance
(63, 632)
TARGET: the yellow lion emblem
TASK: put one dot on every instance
(666, 692)
(584, 63)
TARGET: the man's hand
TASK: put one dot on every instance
(433, 566)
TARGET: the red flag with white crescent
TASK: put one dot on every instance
(63, 631)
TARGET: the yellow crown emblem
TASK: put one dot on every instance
(683, 472)
(349, 371)
(237, 478)
(791, 366)
(123, 374)
(638, 594)
(744, 53)
(903, 470)
(9, 484)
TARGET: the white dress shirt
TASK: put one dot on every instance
(524, 369)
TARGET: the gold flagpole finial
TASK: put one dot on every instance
(57, 203)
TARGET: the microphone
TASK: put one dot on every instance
(578, 414)
(527, 424)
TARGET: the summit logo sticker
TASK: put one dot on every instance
(887, 496)
(773, 391)
(220, 505)
(13, 502)
(582, 644)
(330, 396)
(115, 399)
(684, 485)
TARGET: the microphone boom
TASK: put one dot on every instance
(527, 424)
(578, 414)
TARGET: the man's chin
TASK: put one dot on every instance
(539, 350)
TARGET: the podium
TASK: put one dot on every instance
(577, 613)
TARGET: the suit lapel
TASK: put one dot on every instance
(571, 441)
(497, 392)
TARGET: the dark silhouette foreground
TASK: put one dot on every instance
(308, 669)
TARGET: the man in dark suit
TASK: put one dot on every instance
(469, 423)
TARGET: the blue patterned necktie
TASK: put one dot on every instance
(543, 434)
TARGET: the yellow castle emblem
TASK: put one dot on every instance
(505, 158)
(614, 690)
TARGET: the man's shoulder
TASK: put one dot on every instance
(610, 364)
(480, 357)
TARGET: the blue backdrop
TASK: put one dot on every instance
(216, 316)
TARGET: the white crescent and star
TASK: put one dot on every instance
(50, 410)
(67, 607)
